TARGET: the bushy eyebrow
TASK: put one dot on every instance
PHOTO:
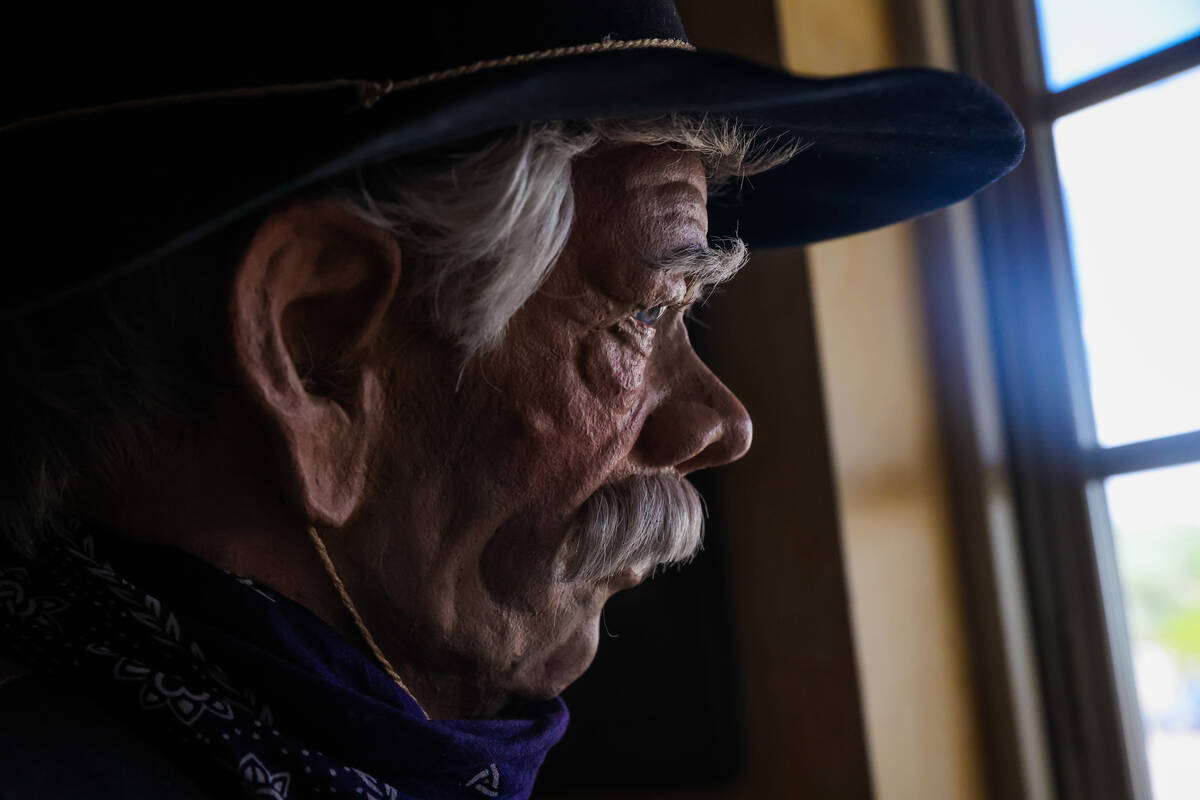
(704, 265)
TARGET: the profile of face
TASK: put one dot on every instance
(498, 507)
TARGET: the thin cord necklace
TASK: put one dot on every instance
(332, 572)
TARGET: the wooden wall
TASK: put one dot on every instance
(914, 665)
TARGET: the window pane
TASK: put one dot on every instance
(1082, 38)
(1156, 530)
(1130, 170)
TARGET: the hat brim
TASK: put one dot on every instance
(883, 146)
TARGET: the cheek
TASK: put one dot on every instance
(519, 566)
(611, 371)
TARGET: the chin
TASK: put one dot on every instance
(571, 658)
(566, 663)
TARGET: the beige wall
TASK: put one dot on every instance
(913, 662)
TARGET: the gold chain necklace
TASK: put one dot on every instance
(331, 570)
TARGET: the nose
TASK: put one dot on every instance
(698, 424)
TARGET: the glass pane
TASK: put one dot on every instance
(1156, 530)
(1082, 38)
(1130, 170)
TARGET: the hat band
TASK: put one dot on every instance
(370, 92)
(374, 92)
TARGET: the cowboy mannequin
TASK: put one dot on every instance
(327, 494)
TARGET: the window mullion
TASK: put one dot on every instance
(1165, 452)
(1135, 75)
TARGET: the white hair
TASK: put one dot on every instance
(488, 223)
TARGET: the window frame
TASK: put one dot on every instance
(1050, 456)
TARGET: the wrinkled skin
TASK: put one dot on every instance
(444, 501)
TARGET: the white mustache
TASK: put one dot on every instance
(639, 523)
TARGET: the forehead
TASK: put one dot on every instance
(653, 191)
(637, 202)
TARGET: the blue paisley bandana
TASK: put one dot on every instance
(247, 682)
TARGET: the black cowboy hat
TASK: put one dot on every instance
(126, 159)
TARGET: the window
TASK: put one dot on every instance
(1091, 265)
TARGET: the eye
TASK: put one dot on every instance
(649, 316)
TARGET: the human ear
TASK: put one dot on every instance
(310, 299)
